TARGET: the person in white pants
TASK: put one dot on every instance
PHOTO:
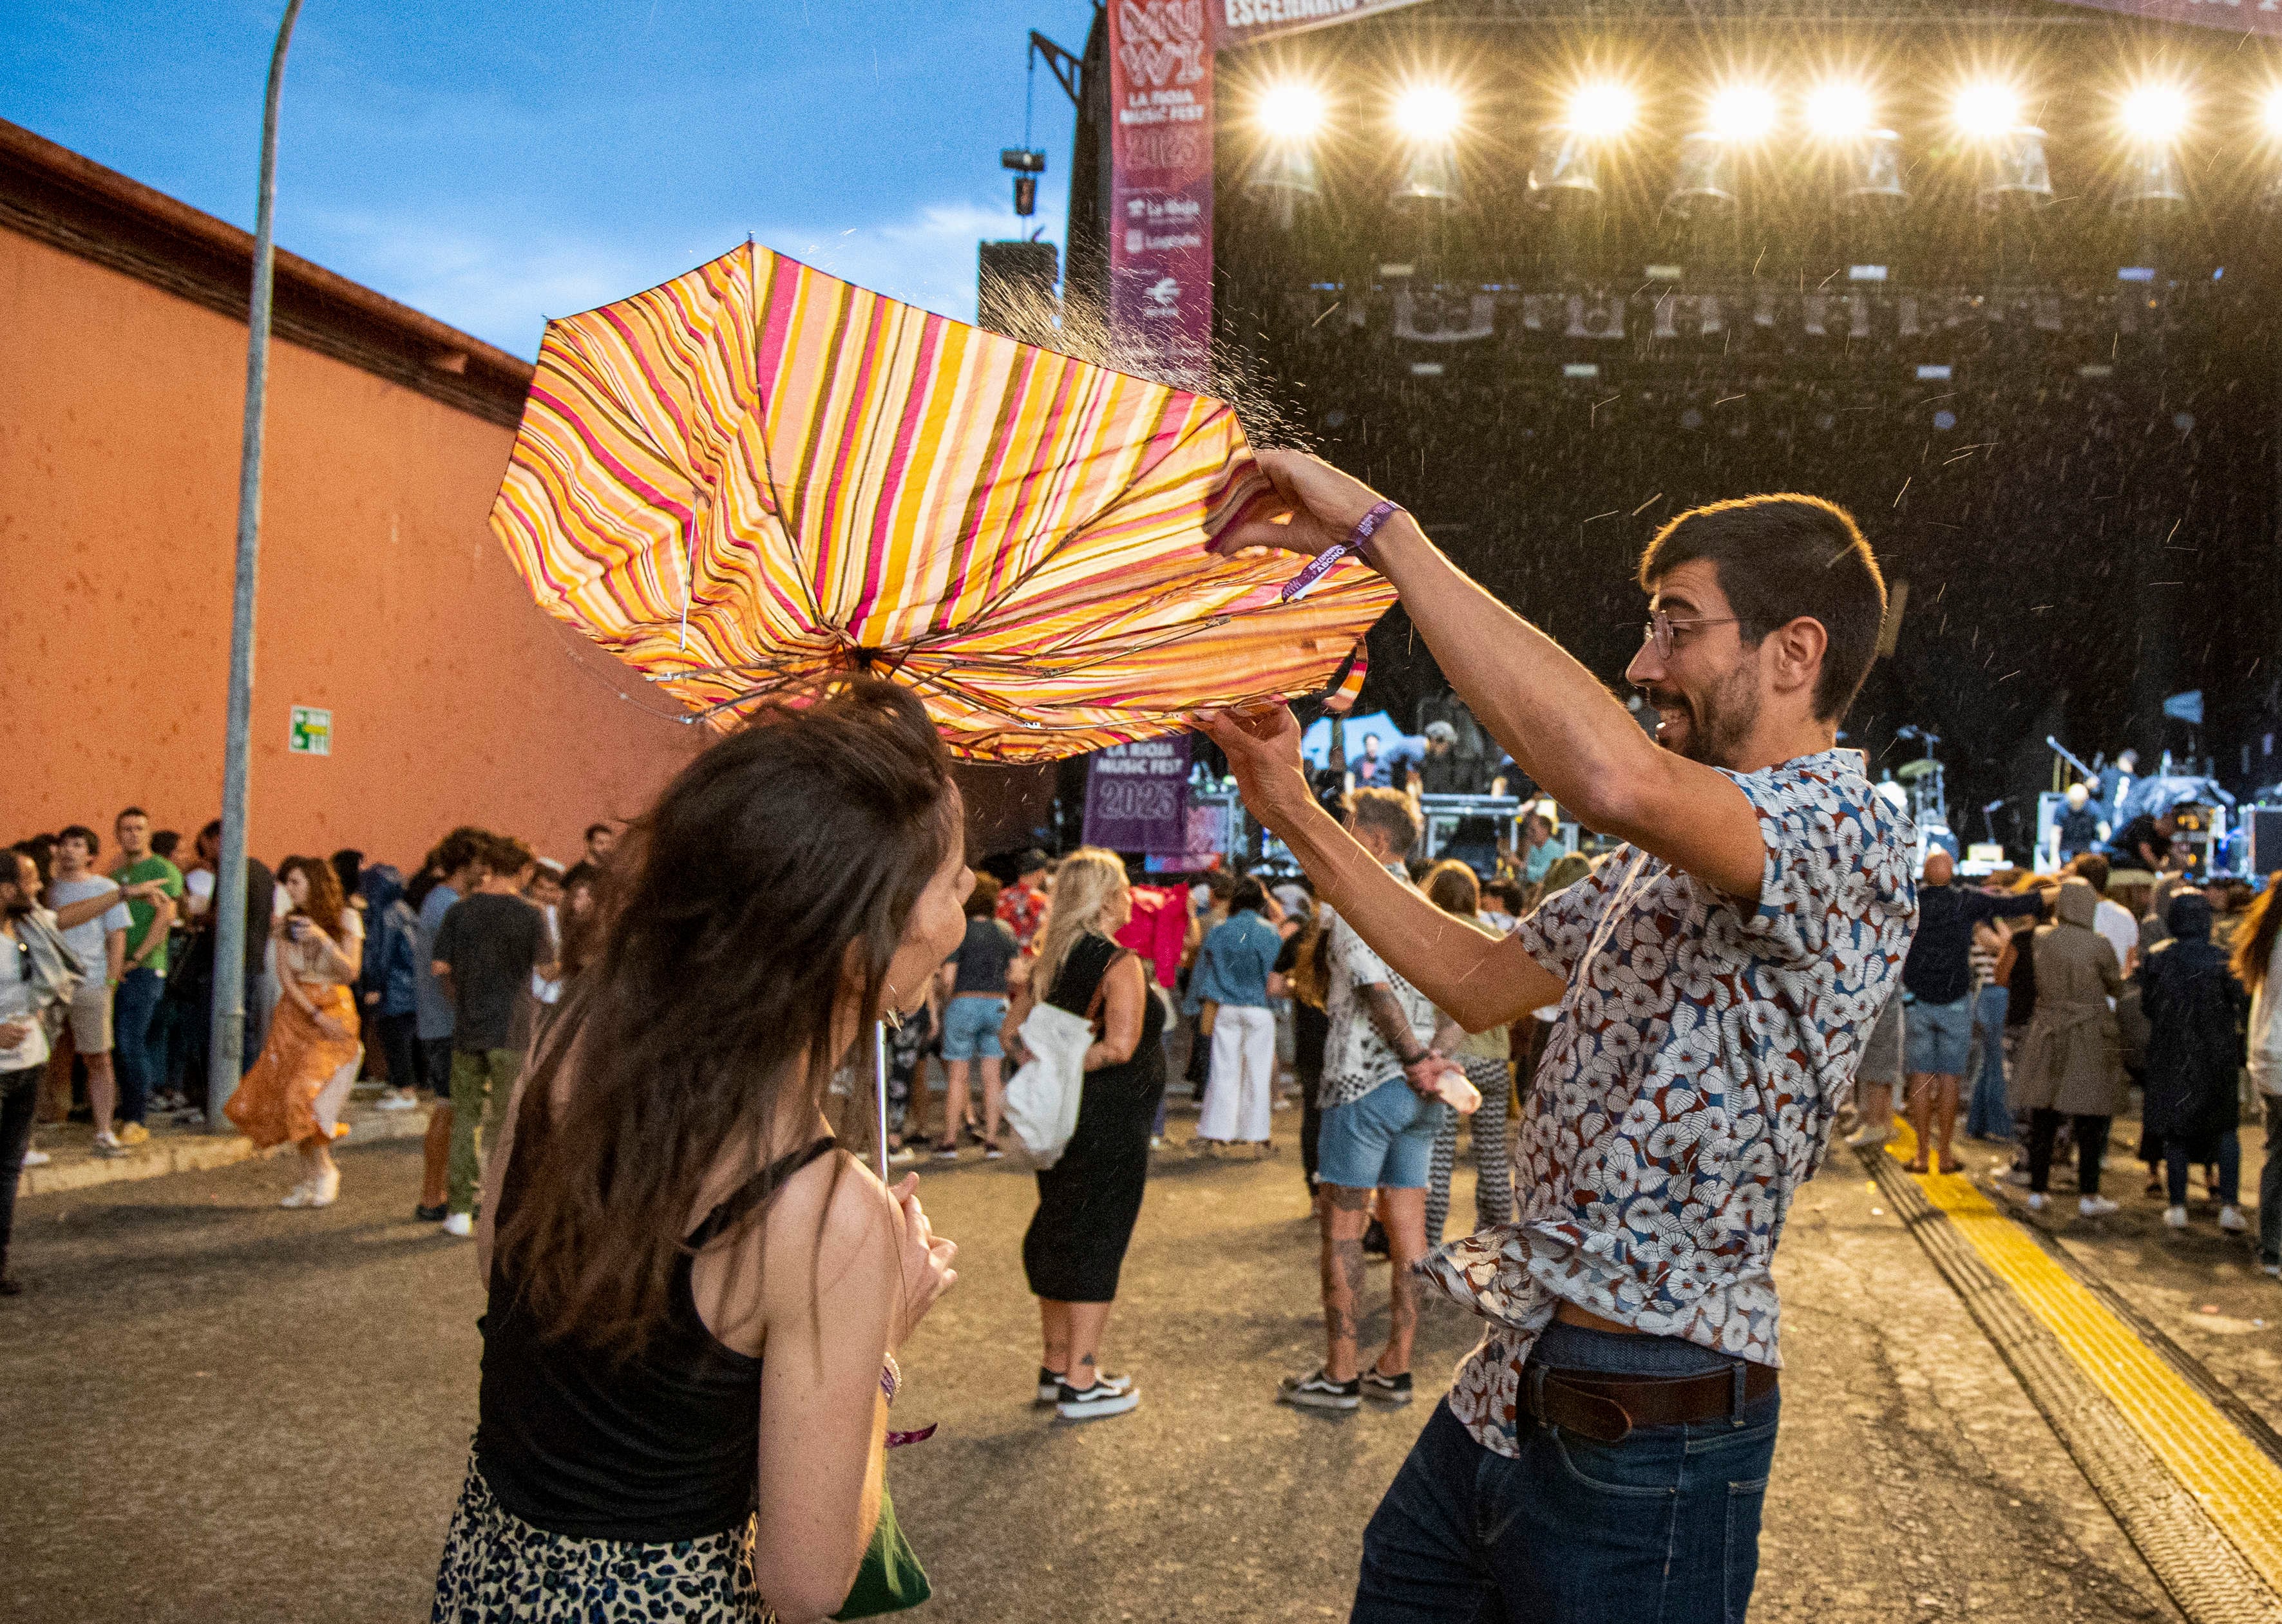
(1231, 973)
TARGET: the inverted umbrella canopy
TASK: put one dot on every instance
(757, 478)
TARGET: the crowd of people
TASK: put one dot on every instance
(2042, 1000)
(350, 974)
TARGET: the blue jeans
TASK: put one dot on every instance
(1383, 1142)
(1989, 1117)
(1663, 1525)
(141, 1062)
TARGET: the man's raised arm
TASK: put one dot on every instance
(1480, 979)
(1565, 729)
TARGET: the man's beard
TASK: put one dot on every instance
(1720, 722)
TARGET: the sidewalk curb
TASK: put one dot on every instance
(188, 1153)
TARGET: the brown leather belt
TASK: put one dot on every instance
(1606, 1408)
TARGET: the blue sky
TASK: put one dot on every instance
(494, 164)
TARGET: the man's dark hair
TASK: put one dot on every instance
(81, 831)
(506, 854)
(982, 901)
(213, 831)
(1250, 893)
(165, 843)
(1779, 558)
(456, 850)
(130, 812)
(1030, 863)
(595, 828)
(1390, 811)
(2091, 868)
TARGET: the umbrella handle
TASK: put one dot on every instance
(880, 1091)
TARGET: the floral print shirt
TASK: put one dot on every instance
(1689, 1083)
(1021, 907)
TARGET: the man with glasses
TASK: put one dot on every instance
(1605, 1450)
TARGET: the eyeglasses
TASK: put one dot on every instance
(1659, 630)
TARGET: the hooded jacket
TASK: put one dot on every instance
(2195, 1010)
(2069, 1060)
(391, 952)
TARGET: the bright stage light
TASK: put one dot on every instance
(1838, 111)
(1428, 113)
(2155, 113)
(1986, 108)
(1741, 112)
(1601, 107)
(2269, 110)
(1289, 112)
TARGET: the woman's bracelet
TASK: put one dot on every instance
(891, 1377)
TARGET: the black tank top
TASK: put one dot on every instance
(665, 1446)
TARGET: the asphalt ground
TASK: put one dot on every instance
(221, 1411)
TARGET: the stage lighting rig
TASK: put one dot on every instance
(1866, 157)
(2153, 117)
(2015, 175)
(1598, 111)
(1428, 117)
(1703, 177)
(1840, 110)
(1740, 113)
(1288, 115)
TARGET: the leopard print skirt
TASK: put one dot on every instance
(498, 1569)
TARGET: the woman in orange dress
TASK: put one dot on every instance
(295, 1089)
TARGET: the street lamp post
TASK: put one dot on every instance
(226, 1057)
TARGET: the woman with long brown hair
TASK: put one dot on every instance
(1486, 1058)
(667, 1206)
(295, 1089)
(1088, 1200)
(2258, 966)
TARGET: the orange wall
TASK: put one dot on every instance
(383, 594)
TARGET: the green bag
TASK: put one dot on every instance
(890, 1579)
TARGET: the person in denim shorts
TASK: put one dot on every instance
(971, 1018)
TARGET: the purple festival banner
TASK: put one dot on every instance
(1160, 187)
(1137, 796)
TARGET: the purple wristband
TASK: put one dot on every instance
(1358, 542)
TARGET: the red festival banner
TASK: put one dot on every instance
(1161, 187)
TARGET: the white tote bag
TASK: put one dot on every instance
(1042, 1098)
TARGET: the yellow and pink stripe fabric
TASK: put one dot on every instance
(757, 478)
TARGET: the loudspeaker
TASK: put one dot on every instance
(2265, 826)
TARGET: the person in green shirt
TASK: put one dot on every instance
(153, 890)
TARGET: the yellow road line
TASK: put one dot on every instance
(2234, 1480)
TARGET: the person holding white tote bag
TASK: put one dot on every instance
(1090, 1196)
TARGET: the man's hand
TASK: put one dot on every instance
(1262, 746)
(1316, 506)
(13, 1032)
(1424, 1074)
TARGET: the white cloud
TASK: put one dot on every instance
(502, 285)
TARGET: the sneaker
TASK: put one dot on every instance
(460, 1224)
(2016, 1175)
(395, 1100)
(430, 1215)
(2038, 1201)
(2274, 1269)
(1386, 1389)
(133, 1134)
(36, 1158)
(2095, 1206)
(1319, 1392)
(108, 1145)
(1868, 1137)
(1104, 1397)
(1050, 1384)
(2176, 1217)
(949, 1153)
(2230, 1220)
(991, 1152)
(300, 1195)
(902, 1156)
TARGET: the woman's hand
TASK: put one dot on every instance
(925, 1260)
(1262, 746)
(331, 1027)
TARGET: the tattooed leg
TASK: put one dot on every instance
(1346, 1215)
(1405, 1217)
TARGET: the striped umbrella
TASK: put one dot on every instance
(757, 478)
